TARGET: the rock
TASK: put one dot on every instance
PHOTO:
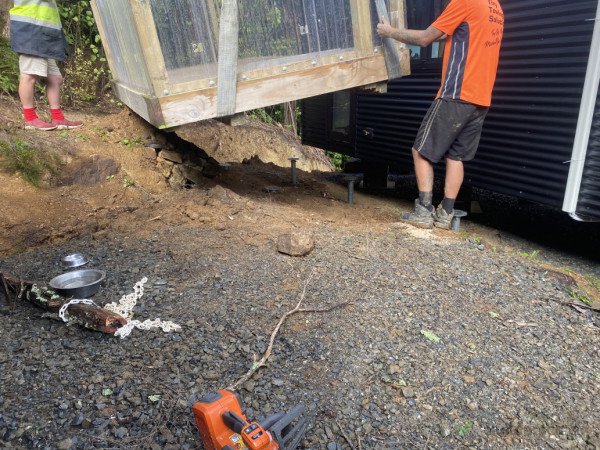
(77, 421)
(473, 406)
(408, 392)
(222, 194)
(120, 432)
(393, 368)
(170, 155)
(481, 247)
(367, 428)
(334, 446)
(193, 173)
(148, 153)
(164, 167)
(177, 179)
(278, 382)
(297, 243)
(86, 423)
(65, 444)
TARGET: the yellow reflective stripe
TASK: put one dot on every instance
(38, 12)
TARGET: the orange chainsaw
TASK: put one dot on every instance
(223, 425)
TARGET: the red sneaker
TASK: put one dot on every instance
(65, 124)
(39, 124)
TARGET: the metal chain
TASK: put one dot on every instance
(125, 309)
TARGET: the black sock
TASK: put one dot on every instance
(426, 199)
(448, 204)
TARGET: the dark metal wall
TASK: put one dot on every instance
(589, 197)
(529, 133)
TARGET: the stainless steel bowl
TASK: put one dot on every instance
(78, 283)
(74, 260)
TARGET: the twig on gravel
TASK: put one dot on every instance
(358, 440)
(582, 306)
(344, 435)
(263, 361)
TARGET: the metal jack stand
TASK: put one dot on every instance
(351, 179)
(458, 214)
(294, 160)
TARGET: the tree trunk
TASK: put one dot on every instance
(5, 5)
(88, 316)
(289, 116)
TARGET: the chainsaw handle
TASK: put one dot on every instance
(233, 421)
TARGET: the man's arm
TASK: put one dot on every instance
(422, 38)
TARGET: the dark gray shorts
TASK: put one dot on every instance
(451, 129)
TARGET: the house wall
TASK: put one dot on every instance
(529, 132)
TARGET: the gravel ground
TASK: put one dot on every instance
(447, 344)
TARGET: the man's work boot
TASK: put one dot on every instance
(65, 124)
(442, 219)
(419, 217)
(39, 124)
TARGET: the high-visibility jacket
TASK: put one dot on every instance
(35, 29)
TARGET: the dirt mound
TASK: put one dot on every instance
(253, 139)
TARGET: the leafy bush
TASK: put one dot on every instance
(9, 68)
(86, 72)
(30, 163)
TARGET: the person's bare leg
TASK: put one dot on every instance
(424, 172)
(26, 89)
(455, 175)
(53, 91)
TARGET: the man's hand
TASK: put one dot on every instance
(384, 29)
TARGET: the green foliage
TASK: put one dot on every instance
(86, 72)
(465, 429)
(30, 163)
(581, 297)
(431, 336)
(9, 68)
(128, 182)
(338, 160)
(275, 115)
(135, 141)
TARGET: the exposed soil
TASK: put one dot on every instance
(450, 341)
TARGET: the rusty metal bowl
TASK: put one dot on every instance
(78, 283)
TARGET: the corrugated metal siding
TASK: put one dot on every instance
(316, 112)
(529, 132)
(589, 196)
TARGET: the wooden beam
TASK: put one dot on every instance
(146, 31)
(362, 26)
(201, 105)
(88, 316)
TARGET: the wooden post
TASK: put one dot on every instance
(362, 25)
(392, 57)
(146, 30)
(228, 58)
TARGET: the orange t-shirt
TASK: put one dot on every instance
(474, 29)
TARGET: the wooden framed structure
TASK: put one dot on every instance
(164, 56)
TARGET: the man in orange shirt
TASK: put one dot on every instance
(452, 127)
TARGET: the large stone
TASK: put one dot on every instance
(297, 243)
(164, 167)
(177, 180)
(170, 155)
(193, 173)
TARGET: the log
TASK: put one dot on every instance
(88, 316)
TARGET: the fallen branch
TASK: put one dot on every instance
(88, 316)
(263, 361)
(344, 435)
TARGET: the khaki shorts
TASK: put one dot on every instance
(34, 65)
